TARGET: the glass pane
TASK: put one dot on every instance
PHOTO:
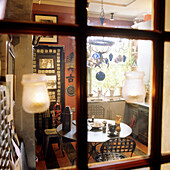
(120, 14)
(142, 168)
(165, 167)
(165, 120)
(58, 63)
(61, 11)
(25, 54)
(167, 14)
(114, 111)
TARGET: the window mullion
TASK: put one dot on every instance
(157, 79)
(159, 15)
(81, 79)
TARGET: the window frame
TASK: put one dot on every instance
(80, 30)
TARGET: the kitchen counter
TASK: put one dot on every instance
(108, 99)
(113, 106)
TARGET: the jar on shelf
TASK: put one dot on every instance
(134, 88)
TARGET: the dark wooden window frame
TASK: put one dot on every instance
(80, 30)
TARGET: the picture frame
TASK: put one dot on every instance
(51, 39)
(46, 63)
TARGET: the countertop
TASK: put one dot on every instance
(108, 99)
(113, 99)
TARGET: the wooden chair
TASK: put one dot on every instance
(96, 110)
(113, 149)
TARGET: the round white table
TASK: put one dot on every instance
(94, 136)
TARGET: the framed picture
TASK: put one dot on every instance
(48, 19)
(45, 63)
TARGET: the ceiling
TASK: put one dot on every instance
(122, 9)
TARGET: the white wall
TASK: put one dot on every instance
(145, 52)
(144, 58)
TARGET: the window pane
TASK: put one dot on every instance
(165, 120)
(167, 14)
(61, 86)
(108, 59)
(39, 11)
(120, 14)
(25, 54)
(165, 167)
(142, 168)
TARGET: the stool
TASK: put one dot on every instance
(49, 133)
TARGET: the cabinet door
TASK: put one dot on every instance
(143, 125)
(133, 121)
(131, 118)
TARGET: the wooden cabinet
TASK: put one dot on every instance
(136, 116)
(143, 124)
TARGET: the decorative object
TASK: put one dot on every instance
(67, 119)
(70, 63)
(97, 47)
(35, 97)
(100, 76)
(102, 14)
(111, 92)
(112, 129)
(121, 45)
(134, 88)
(70, 78)
(117, 122)
(46, 63)
(111, 17)
(51, 82)
(70, 90)
(124, 58)
(47, 19)
(110, 56)
(49, 60)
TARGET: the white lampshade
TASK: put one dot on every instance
(134, 88)
(35, 97)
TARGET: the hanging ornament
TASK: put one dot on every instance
(106, 60)
(110, 56)
(100, 76)
(124, 58)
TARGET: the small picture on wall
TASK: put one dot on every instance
(51, 82)
(47, 19)
(46, 63)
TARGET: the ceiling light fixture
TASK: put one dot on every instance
(111, 17)
(102, 15)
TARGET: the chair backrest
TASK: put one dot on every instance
(96, 110)
(118, 145)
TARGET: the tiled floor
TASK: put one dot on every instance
(55, 159)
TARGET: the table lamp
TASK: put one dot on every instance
(35, 97)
